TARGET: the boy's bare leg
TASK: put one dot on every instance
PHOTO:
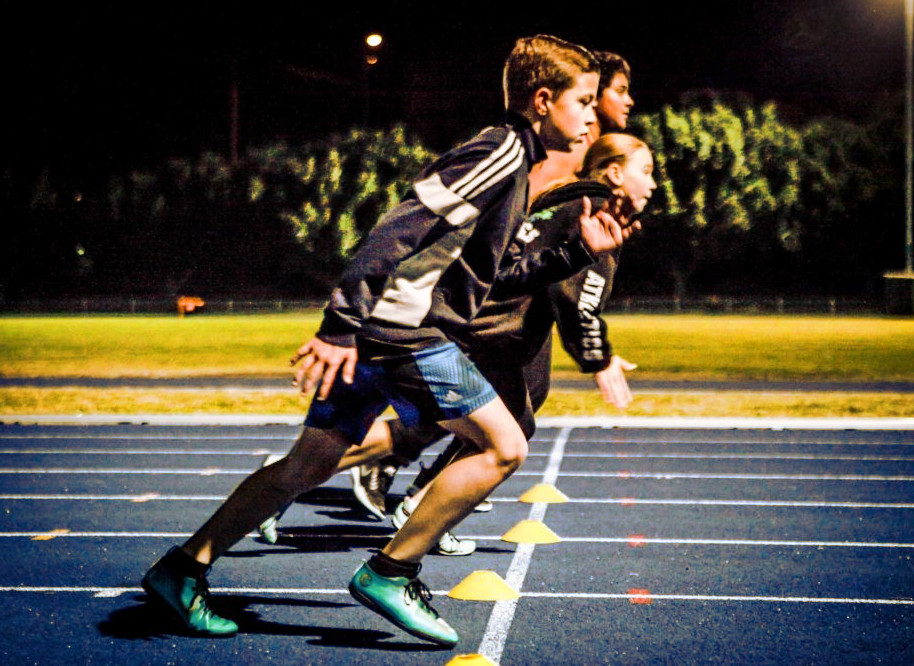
(417, 497)
(376, 445)
(313, 459)
(463, 484)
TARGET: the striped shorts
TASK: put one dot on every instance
(437, 383)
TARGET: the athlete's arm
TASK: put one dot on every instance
(320, 361)
(612, 382)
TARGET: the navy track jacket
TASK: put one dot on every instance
(424, 270)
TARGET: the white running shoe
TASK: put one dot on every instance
(370, 484)
(448, 544)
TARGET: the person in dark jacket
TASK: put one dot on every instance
(617, 167)
(389, 331)
(372, 480)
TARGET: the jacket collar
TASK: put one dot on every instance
(534, 148)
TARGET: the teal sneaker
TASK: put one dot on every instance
(404, 602)
(189, 598)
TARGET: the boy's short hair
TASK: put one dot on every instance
(543, 61)
(610, 65)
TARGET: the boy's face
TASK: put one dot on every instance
(615, 104)
(569, 116)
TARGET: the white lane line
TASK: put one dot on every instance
(612, 500)
(206, 471)
(727, 476)
(721, 598)
(111, 592)
(736, 456)
(138, 452)
(493, 641)
(216, 471)
(139, 437)
(799, 504)
(105, 535)
(116, 498)
(658, 541)
(735, 542)
(621, 455)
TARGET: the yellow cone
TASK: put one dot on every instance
(470, 660)
(530, 531)
(544, 493)
(483, 586)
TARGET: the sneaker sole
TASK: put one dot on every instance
(369, 603)
(359, 490)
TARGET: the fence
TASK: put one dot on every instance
(632, 304)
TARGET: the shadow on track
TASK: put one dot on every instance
(145, 621)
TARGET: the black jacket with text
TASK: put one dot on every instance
(422, 273)
(515, 327)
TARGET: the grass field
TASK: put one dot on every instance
(688, 347)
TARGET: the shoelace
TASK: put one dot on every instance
(200, 601)
(448, 541)
(418, 592)
(373, 479)
(380, 479)
(386, 478)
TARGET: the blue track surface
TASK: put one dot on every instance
(679, 545)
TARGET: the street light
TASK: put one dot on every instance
(373, 42)
(909, 131)
(900, 286)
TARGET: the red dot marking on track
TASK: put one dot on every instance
(637, 540)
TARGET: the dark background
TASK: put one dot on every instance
(107, 87)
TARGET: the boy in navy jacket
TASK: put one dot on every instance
(419, 278)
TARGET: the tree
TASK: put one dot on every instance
(850, 202)
(332, 192)
(726, 173)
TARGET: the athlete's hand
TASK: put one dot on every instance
(320, 362)
(606, 229)
(612, 383)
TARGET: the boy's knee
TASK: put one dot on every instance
(312, 460)
(511, 454)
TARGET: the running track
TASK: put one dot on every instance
(683, 542)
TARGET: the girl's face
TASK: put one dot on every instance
(615, 104)
(568, 117)
(635, 178)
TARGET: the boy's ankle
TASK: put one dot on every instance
(388, 567)
(182, 563)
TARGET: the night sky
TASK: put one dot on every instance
(107, 87)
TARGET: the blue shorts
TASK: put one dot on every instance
(434, 384)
